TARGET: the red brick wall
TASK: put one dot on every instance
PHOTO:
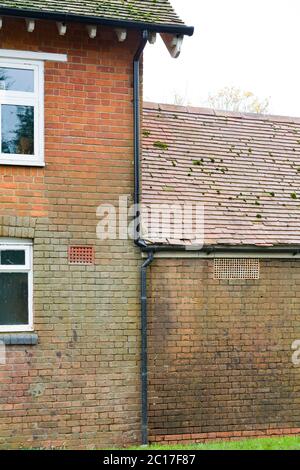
(79, 387)
(220, 351)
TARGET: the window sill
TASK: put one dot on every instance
(33, 163)
(10, 339)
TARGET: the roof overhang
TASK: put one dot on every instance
(173, 29)
(223, 251)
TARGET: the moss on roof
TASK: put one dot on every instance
(145, 11)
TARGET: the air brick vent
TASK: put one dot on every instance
(82, 255)
(240, 268)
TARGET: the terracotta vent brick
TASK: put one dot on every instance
(81, 255)
(243, 268)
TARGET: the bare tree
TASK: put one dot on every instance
(234, 99)
(180, 99)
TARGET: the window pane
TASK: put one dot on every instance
(13, 299)
(16, 79)
(17, 126)
(13, 257)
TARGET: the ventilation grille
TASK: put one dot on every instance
(81, 255)
(242, 268)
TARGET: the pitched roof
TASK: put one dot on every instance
(151, 12)
(244, 168)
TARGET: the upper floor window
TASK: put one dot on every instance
(16, 286)
(21, 112)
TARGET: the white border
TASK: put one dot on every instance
(35, 99)
(30, 55)
(28, 268)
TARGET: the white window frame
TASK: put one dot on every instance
(13, 244)
(35, 99)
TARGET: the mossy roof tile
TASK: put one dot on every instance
(244, 169)
(158, 12)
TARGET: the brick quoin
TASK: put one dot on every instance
(79, 387)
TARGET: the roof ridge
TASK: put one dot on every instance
(164, 107)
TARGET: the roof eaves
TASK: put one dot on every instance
(216, 248)
(179, 29)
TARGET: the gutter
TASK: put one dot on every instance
(211, 249)
(179, 29)
(295, 249)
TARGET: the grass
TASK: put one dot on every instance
(272, 443)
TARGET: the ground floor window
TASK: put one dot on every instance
(15, 285)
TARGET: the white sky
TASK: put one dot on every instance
(251, 44)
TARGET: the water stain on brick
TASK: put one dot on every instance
(75, 336)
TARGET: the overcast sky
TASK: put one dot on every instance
(250, 44)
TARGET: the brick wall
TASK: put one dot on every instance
(220, 351)
(79, 387)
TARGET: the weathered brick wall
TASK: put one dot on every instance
(79, 387)
(220, 351)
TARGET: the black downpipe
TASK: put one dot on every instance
(137, 149)
(138, 242)
(144, 348)
(137, 125)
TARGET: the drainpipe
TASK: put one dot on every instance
(137, 125)
(144, 353)
(137, 147)
(137, 241)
